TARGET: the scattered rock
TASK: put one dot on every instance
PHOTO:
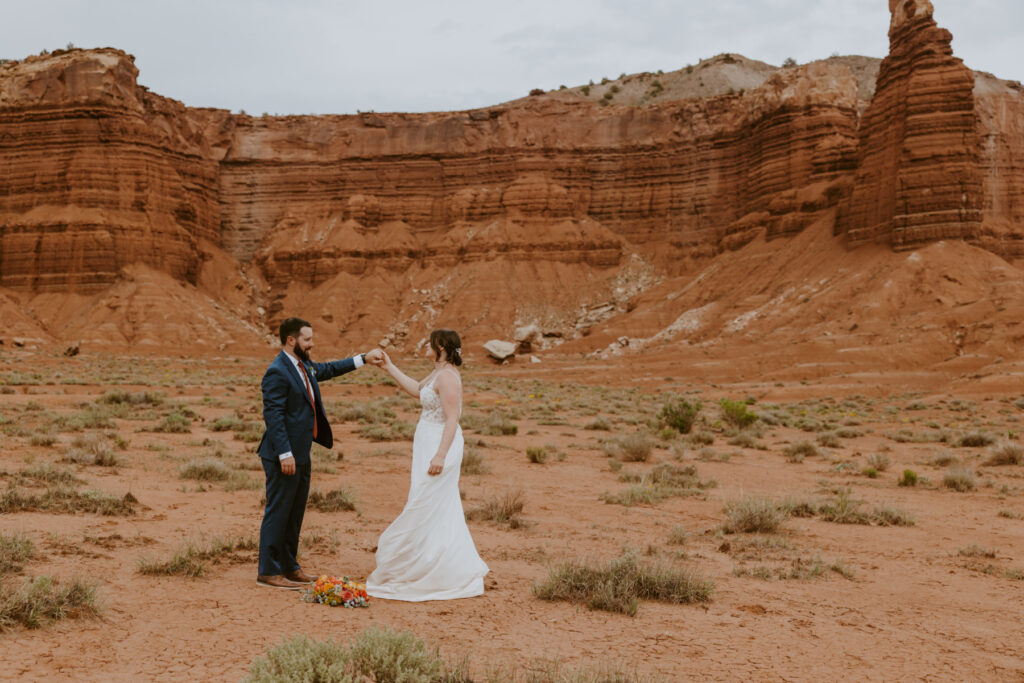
(500, 350)
(18, 341)
(73, 350)
(623, 341)
(534, 359)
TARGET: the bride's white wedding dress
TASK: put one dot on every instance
(427, 552)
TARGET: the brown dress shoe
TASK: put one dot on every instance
(278, 581)
(300, 576)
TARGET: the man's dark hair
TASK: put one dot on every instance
(290, 328)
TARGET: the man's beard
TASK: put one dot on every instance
(301, 353)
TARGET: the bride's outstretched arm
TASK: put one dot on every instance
(408, 384)
(451, 399)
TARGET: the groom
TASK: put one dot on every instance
(295, 418)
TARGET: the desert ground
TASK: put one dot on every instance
(863, 577)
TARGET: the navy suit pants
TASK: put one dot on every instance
(282, 518)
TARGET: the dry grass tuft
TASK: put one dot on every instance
(636, 447)
(1005, 453)
(504, 510)
(754, 514)
(373, 655)
(207, 469)
(15, 550)
(42, 600)
(64, 500)
(191, 560)
(621, 584)
(473, 462)
(959, 478)
(337, 500)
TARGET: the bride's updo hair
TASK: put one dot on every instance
(449, 341)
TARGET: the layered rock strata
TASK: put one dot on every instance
(919, 175)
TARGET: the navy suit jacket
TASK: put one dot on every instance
(287, 412)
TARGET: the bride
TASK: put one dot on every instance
(427, 552)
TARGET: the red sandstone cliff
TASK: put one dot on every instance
(559, 209)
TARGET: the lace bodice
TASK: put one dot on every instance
(431, 402)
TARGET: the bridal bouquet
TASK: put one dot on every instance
(330, 590)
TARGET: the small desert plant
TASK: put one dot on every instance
(829, 440)
(736, 413)
(191, 560)
(537, 455)
(495, 424)
(208, 469)
(679, 414)
(701, 439)
(65, 500)
(1005, 453)
(505, 509)
(45, 439)
(48, 474)
(91, 450)
(909, 478)
(879, 461)
(42, 600)
(619, 585)
(887, 515)
(678, 535)
(175, 423)
(636, 447)
(598, 424)
(15, 550)
(391, 431)
(753, 514)
(374, 655)
(332, 501)
(121, 397)
(746, 440)
(798, 451)
(975, 439)
(976, 551)
(959, 478)
(843, 510)
(473, 462)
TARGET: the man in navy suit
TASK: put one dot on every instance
(295, 418)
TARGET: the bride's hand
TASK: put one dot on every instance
(436, 465)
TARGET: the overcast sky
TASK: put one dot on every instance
(340, 56)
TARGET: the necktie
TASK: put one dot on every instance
(309, 392)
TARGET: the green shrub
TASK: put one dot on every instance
(679, 414)
(621, 584)
(537, 455)
(909, 478)
(736, 413)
